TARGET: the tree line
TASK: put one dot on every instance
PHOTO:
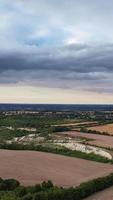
(10, 189)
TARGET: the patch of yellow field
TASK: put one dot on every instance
(108, 128)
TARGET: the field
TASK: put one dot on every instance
(34, 167)
(108, 128)
(56, 133)
(96, 139)
(103, 195)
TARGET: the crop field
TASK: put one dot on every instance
(108, 128)
(96, 139)
(34, 167)
(103, 195)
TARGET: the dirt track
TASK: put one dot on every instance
(77, 123)
(103, 195)
(34, 167)
(99, 140)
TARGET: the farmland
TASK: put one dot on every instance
(34, 167)
(107, 128)
(107, 194)
(94, 139)
(42, 146)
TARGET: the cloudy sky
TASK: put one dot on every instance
(56, 51)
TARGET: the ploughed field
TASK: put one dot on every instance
(106, 194)
(108, 128)
(31, 167)
(96, 139)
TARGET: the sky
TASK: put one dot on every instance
(56, 51)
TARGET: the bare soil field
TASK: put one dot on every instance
(99, 140)
(103, 128)
(31, 167)
(103, 195)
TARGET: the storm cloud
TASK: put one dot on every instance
(61, 44)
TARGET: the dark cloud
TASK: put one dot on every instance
(57, 43)
(73, 58)
(69, 66)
